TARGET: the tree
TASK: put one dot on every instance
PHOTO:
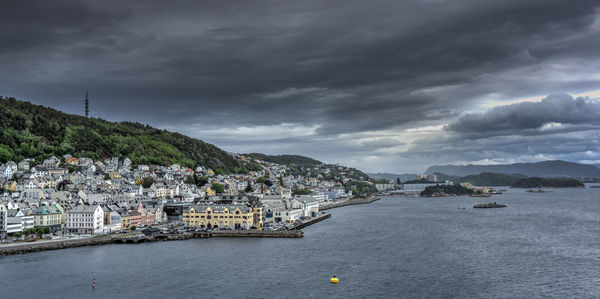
(398, 181)
(218, 188)
(269, 183)
(249, 188)
(301, 191)
(147, 182)
(18, 235)
(261, 180)
(133, 227)
(29, 232)
(201, 181)
(190, 180)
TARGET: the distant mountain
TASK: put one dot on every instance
(392, 176)
(444, 177)
(490, 179)
(555, 168)
(33, 131)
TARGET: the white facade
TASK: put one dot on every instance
(85, 220)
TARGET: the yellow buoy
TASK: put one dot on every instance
(334, 279)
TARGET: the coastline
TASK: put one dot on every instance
(140, 238)
(296, 232)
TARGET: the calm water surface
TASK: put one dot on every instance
(542, 245)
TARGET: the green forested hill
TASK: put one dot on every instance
(28, 130)
(295, 160)
(490, 179)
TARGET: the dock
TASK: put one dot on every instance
(310, 221)
(353, 201)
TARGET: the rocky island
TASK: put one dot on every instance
(490, 205)
(446, 190)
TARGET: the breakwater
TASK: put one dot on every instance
(349, 202)
(118, 239)
(310, 221)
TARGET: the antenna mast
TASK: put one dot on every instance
(87, 104)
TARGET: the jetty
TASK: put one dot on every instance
(310, 221)
(349, 202)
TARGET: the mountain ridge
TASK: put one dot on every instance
(550, 168)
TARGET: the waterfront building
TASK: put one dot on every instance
(288, 216)
(3, 221)
(384, 187)
(223, 216)
(48, 216)
(432, 177)
(17, 221)
(308, 204)
(85, 219)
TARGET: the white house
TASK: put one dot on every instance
(84, 219)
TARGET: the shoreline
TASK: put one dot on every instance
(296, 232)
(140, 238)
(24, 248)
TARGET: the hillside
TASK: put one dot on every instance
(295, 160)
(547, 182)
(392, 176)
(540, 169)
(308, 167)
(490, 179)
(28, 130)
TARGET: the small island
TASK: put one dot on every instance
(446, 190)
(491, 205)
(535, 182)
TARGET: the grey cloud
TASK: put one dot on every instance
(343, 67)
(515, 118)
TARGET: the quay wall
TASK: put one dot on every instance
(311, 221)
(44, 246)
(353, 201)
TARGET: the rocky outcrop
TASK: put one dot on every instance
(490, 205)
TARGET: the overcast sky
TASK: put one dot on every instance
(392, 86)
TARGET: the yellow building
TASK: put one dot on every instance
(114, 175)
(49, 216)
(209, 191)
(223, 216)
(11, 186)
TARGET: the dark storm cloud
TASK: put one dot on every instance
(340, 67)
(554, 110)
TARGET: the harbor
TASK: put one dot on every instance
(142, 237)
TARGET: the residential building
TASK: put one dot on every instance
(85, 219)
(48, 216)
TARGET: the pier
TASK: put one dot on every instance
(310, 221)
(349, 202)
